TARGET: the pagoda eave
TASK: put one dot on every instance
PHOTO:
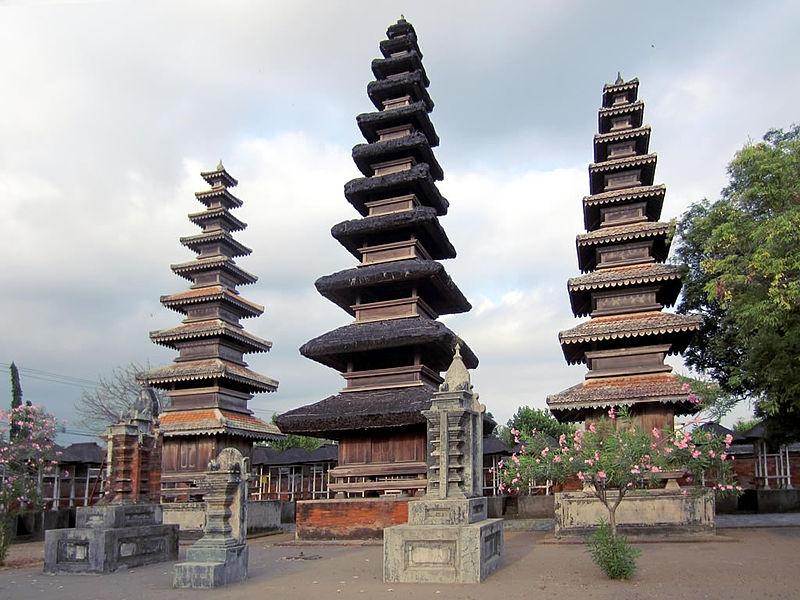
(421, 221)
(210, 370)
(196, 242)
(209, 329)
(415, 144)
(232, 222)
(215, 422)
(222, 263)
(384, 68)
(437, 288)
(436, 340)
(220, 195)
(404, 84)
(416, 180)
(414, 114)
(217, 293)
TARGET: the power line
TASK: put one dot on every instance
(41, 375)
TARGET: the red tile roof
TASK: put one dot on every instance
(213, 421)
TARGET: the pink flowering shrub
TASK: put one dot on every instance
(26, 454)
(613, 457)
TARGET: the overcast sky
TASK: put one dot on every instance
(110, 110)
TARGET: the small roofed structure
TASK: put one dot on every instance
(209, 383)
(393, 352)
(626, 283)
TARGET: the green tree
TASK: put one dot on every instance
(742, 254)
(528, 419)
(294, 441)
(16, 396)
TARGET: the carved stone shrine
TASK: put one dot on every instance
(448, 538)
(220, 556)
(127, 529)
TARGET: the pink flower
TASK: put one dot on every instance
(538, 461)
(656, 433)
(612, 413)
(562, 439)
(696, 453)
(557, 459)
(684, 492)
(728, 440)
(589, 461)
(635, 470)
(571, 458)
(545, 451)
(601, 475)
(685, 387)
(580, 475)
(593, 427)
(514, 431)
(515, 459)
(712, 454)
(723, 456)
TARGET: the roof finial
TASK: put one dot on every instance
(619, 79)
(457, 376)
(219, 166)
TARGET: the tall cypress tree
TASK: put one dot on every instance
(16, 397)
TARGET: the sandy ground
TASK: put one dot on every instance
(750, 563)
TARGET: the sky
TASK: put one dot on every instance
(111, 109)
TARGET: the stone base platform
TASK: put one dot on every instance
(109, 537)
(211, 567)
(442, 553)
(663, 512)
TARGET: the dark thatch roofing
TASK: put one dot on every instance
(619, 330)
(666, 388)
(417, 180)
(401, 29)
(436, 340)
(405, 84)
(433, 283)
(421, 221)
(406, 41)
(493, 445)
(382, 68)
(83, 452)
(414, 114)
(348, 412)
(667, 277)
(263, 455)
(652, 195)
(659, 233)
(413, 145)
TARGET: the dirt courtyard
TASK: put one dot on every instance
(762, 563)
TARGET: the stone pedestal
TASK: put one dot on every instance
(109, 537)
(220, 556)
(445, 541)
(641, 512)
(448, 538)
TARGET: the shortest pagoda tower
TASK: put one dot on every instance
(626, 281)
(209, 383)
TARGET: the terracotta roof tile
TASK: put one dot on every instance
(214, 421)
(625, 194)
(630, 325)
(624, 276)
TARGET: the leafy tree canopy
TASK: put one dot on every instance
(294, 441)
(526, 419)
(742, 254)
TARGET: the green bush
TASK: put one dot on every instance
(612, 553)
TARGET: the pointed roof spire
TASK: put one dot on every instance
(219, 166)
(619, 79)
(457, 376)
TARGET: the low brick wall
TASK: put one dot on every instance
(353, 519)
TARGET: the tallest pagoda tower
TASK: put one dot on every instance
(392, 354)
(626, 282)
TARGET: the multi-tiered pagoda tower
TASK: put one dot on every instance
(391, 355)
(209, 383)
(626, 283)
